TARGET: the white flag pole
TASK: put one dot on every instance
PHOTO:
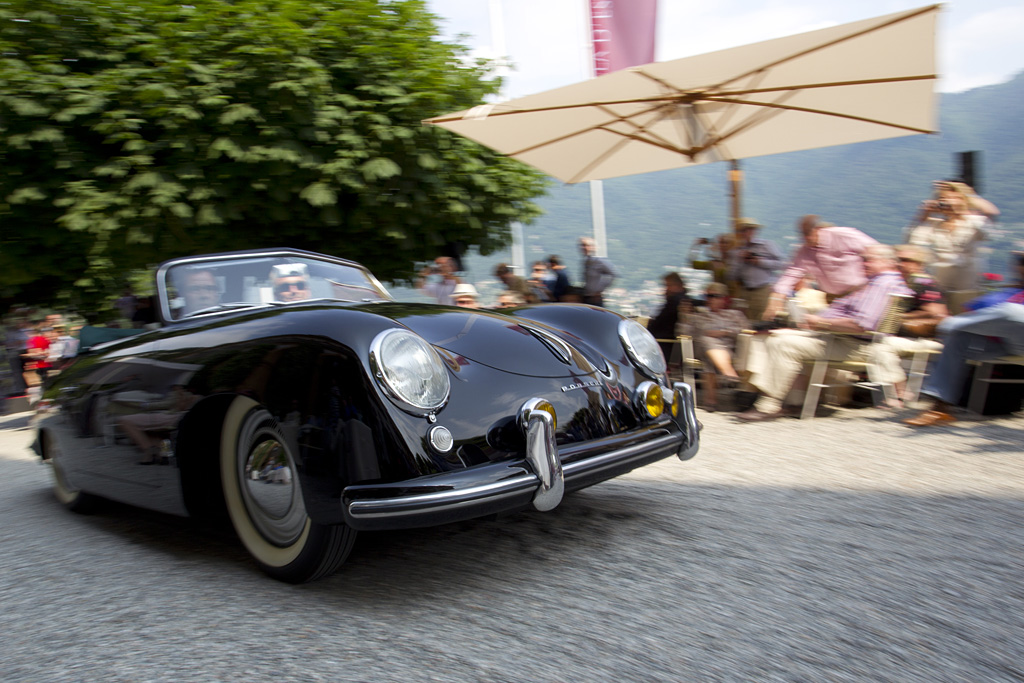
(498, 45)
(596, 186)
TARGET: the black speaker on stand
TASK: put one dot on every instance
(970, 163)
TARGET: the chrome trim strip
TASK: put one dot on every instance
(616, 457)
(388, 507)
(377, 508)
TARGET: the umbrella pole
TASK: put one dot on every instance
(735, 183)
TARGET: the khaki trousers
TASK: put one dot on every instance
(887, 353)
(786, 351)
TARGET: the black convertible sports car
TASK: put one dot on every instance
(291, 389)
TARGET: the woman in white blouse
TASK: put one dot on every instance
(948, 226)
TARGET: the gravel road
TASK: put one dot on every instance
(847, 548)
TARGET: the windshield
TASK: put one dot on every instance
(208, 285)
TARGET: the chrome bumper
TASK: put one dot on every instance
(539, 481)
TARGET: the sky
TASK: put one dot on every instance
(979, 41)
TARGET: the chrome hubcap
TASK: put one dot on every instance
(270, 488)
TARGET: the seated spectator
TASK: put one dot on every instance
(925, 310)
(465, 296)
(715, 331)
(985, 334)
(663, 325)
(830, 255)
(927, 307)
(856, 314)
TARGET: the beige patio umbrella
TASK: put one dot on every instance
(867, 80)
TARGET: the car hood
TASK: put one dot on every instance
(516, 346)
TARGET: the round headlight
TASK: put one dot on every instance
(409, 370)
(641, 347)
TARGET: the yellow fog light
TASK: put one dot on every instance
(650, 399)
(550, 410)
(537, 404)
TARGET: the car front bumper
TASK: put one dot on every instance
(539, 480)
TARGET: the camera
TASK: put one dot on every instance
(943, 206)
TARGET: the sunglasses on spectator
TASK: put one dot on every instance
(285, 287)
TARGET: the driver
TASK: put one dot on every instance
(200, 290)
(291, 282)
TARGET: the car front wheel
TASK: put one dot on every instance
(70, 497)
(264, 500)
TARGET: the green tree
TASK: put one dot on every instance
(132, 132)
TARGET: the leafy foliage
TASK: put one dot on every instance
(135, 132)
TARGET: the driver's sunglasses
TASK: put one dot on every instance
(286, 287)
(202, 288)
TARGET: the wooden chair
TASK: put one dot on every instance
(983, 380)
(889, 324)
(682, 364)
(918, 371)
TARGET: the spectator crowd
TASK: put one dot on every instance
(827, 300)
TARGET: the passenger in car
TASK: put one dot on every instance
(291, 282)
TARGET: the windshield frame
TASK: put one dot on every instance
(171, 303)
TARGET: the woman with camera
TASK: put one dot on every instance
(949, 227)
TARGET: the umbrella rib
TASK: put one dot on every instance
(843, 39)
(833, 84)
(778, 107)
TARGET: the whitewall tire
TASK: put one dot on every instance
(264, 500)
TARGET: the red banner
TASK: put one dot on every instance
(622, 33)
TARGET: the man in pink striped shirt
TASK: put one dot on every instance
(830, 255)
(858, 312)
